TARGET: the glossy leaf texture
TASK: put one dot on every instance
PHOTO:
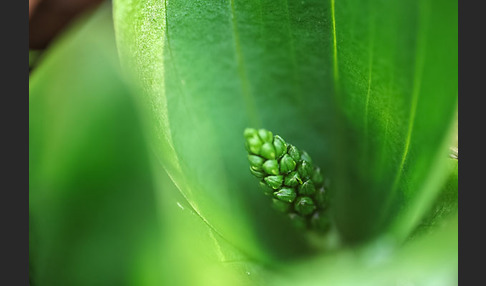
(396, 72)
(368, 88)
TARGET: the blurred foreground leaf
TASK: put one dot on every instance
(430, 259)
(445, 206)
(91, 200)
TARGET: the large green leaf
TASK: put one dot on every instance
(200, 103)
(368, 88)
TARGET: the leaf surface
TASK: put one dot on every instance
(91, 196)
(369, 89)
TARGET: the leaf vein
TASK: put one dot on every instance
(247, 95)
(335, 52)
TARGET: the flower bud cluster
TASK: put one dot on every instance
(288, 175)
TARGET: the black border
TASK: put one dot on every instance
(14, 23)
(471, 144)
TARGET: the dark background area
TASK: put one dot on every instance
(47, 18)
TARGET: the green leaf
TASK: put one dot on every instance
(368, 88)
(101, 212)
(91, 196)
(190, 246)
(396, 75)
(445, 206)
(429, 260)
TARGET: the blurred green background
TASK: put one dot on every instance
(137, 168)
(91, 199)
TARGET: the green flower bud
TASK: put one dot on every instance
(305, 169)
(256, 173)
(288, 176)
(256, 162)
(305, 157)
(266, 189)
(285, 194)
(250, 132)
(265, 135)
(287, 164)
(317, 177)
(298, 221)
(293, 179)
(281, 205)
(304, 205)
(271, 167)
(321, 197)
(307, 188)
(268, 151)
(320, 222)
(280, 146)
(254, 145)
(274, 182)
(294, 153)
